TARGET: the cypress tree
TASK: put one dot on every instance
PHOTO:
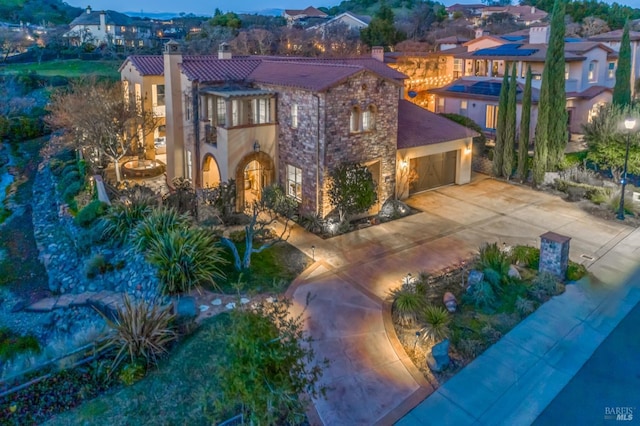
(558, 117)
(498, 151)
(622, 89)
(510, 126)
(551, 128)
(525, 120)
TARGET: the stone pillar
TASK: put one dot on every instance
(554, 254)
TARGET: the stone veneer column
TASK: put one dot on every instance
(554, 254)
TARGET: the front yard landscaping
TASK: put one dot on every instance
(492, 293)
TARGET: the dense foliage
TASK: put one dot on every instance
(501, 126)
(270, 362)
(622, 89)
(525, 122)
(351, 190)
(40, 12)
(510, 123)
(381, 30)
(614, 14)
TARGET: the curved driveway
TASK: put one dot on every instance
(370, 378)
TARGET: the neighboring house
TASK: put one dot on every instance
(525, 15)
(467, 10)
(612, 40)
(262, 120)
(348, 19)
(589, 74)
(301, 16)
(108, 27)
(450, 42)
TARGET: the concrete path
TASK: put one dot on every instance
(371, 378)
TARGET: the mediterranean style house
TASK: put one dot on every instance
(262, 120)
(467, 79)
(107, 27)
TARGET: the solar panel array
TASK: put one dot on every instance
(513, 37)
(509, 49)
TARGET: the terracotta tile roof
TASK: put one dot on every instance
(615, 35)
(418, 127)
(304, 75)
(590, 93)
(452, 40)
(217, 70)
(146, 64)
(584, 46)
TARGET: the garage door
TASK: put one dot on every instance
(433, 171)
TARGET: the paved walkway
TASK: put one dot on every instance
(371, 379)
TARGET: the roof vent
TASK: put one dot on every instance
(224, 51)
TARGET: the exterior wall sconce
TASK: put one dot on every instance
(256, 146)
(403, 164)
(467, 149)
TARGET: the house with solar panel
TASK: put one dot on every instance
(478, 67)
(262, 120)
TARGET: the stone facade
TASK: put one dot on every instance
(554, 254)
(323, 139)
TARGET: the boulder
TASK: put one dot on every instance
(185, 307)
(450, 301)
(514, 273)
(439, 359)
(475, 277)
(392, 209)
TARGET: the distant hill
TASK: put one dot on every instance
(37, 11)
(152, 15)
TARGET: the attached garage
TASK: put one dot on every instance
(432, 171)
(433, 151)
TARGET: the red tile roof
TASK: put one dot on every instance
(217, 70)
(146, 64)
(589, 93)
(615, 35)
(304, 75)
(418, 127)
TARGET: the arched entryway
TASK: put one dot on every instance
(210, 172)
(253, 173)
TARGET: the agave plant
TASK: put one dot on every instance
(156, 224)
(437, 323)
(186, 258)
(406, 305)
(122, 218)
(140, 332)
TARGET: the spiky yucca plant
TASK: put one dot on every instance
(122, 218)
(406, 305)
(437, 323)
(141, 331)
(186, 258)
(156, 224)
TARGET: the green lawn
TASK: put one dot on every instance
(68, 68)
(180, 392)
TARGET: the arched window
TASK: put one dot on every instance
(354, 121)
(369, 119)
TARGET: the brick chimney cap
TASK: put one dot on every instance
(557, 238)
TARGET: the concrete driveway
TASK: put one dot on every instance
(371, 379)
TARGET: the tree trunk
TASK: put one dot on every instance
(234, 250)
(116, 165)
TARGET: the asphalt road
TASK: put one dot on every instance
(608, 385)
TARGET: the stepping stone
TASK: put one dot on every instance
(82, 298)
(204, 308)
(101, 295)
(64, 301)
(216, 302)
(230, 305)
(244, 300)
(42, 305)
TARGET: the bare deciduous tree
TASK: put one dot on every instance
(97, 117)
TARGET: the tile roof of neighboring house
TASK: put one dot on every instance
(590, 93)
(146, 64)
(303, 75)
(584, 46)
(518, 52)
(418, 127)
(463, 7)
(522, 13)
(217, 70)
(452, 40)
(111, 18)
(480, 88)
(615, 35)
(309, 12)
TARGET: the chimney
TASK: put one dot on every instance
(88, 10)
(480, 32)
(103, 20)
(533, 10)
(377, 53)
(224, 51)
(539, 35)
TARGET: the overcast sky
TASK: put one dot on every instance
(206, 7)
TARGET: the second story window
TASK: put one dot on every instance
(221, 112)
(157, 91)
(369, 119)
(611, 70)
(463, 108)
(593, 71)
(294, 116)
(491, 118)
(261, 111)
(457, 68)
